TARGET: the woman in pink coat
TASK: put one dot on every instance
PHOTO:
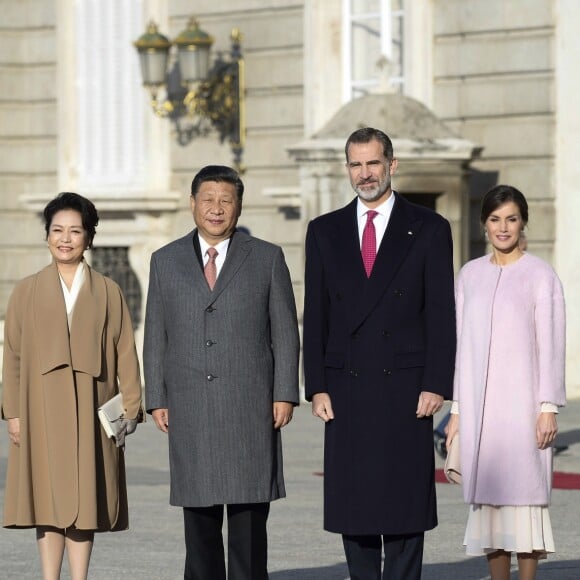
(509, 383)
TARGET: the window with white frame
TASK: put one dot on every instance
(372, 46)
(109, 95)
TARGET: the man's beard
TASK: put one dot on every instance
(374, 193)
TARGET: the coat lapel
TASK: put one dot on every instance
(81, 348)
(238, 250)
(188, 264)
(397, 241)
(51, 326)
(88, 324)
(348, 242)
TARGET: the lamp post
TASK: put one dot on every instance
(197, 97)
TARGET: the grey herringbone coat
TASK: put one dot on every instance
(217, 360)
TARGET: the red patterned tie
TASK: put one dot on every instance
(210, 269)
(369, 243)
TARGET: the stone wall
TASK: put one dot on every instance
(567, 180)
(28, 134)
(500, 73)
(494, 84)
(272, 45)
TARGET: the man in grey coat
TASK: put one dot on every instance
(221, 375)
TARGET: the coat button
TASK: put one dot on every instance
(353, 373)
(386, 333)
(209, 343)
(398, 293)
(387, 371)
(210, 377)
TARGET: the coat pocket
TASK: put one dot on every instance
(334, 360)
(408, 360)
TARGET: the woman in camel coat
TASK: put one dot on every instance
(68, 349)
(509, 383)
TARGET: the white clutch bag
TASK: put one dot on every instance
(110, 415)
(452, 467)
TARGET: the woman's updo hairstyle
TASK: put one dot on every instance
(82, 205)
(499, 195)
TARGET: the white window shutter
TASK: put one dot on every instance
(110, 96)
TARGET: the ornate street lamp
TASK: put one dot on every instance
(196, 97)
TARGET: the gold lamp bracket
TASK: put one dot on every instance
(197, 107)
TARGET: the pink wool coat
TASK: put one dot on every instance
(510, 360)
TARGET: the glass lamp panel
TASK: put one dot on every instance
(153, 66)
(193, 62)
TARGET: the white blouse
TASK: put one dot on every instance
(70, 296)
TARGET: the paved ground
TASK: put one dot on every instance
(299, 549)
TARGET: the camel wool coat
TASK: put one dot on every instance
(510, 360)
(66, 471)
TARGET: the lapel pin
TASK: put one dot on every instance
(410, 232)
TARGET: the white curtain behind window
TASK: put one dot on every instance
(109, 95)
(374, 35)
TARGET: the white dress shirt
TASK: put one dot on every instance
(222, 250)
(381, 220)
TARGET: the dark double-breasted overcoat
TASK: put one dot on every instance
(374, 344)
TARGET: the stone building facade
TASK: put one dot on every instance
(500, 76)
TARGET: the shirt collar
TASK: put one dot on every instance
(78, 279)
(222, 247)
(384, 209)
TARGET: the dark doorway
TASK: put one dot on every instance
(425, 199)
(480, 182)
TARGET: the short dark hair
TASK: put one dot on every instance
(218, 173)
(367, 134)
(499, 195)
(78, 203)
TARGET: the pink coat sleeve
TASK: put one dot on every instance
(550, 321)
(459, 322)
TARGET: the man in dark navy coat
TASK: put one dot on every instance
(379, 352)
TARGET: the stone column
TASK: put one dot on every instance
(567, 177)
(323, 30)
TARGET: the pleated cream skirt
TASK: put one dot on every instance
(521, 529)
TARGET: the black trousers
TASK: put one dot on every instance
(403, 556)
(247, 542)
